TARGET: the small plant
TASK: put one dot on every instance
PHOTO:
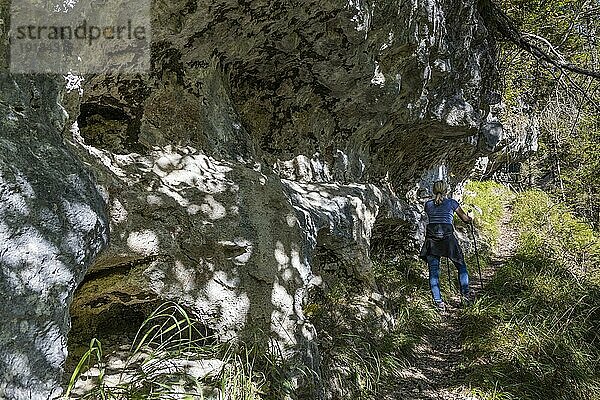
(86, 363)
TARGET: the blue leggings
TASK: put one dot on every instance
(434, 277)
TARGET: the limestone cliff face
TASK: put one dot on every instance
(350, 86)
(272, 144)
(52, 225)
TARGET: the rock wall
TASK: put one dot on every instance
(269, 146)
(52, 225)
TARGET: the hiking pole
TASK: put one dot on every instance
(476, 254)
(449, 280)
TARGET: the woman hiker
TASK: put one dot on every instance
(441, 242)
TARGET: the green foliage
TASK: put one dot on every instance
(576, 146)
(485, 201)
(565, 104)
(569, 26)
(535, 335)
(549, 231)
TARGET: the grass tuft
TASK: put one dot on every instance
(173, 357)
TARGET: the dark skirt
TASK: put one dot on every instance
(441, 242)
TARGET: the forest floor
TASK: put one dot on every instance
(437, 372)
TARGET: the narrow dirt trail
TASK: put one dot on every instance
(435, 374)
(438, 369)
(507, 240)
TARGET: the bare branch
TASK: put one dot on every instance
(547, 43)
(503, 24)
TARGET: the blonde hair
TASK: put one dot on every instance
(439, 191)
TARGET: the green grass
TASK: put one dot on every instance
(550, 232)
(250, 370)
(90, 358)
(535, 334)
(364, 344)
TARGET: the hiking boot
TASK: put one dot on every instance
(440, 306)
(468, 298)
